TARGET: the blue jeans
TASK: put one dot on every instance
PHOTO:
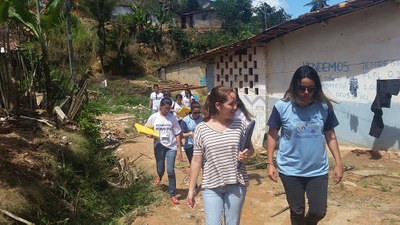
(317, 194)
(227, 201)
(161, 153)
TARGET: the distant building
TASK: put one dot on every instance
(203, 19)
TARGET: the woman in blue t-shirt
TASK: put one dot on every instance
(306, 119)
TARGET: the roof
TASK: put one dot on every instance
(302, 21)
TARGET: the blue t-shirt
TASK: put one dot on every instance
(301, 150)
(188, 125)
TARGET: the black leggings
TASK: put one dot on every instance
(317, 193)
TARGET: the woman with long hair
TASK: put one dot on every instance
(216, 150)
(306, 119)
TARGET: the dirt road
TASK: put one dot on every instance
(369, 193)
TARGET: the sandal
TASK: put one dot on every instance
(174, 200)
(157, 181)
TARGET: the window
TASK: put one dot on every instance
(230, 58)
(240, 84)
(235, 65)
(226, 65)
(255, 51)
(256, 78)
(222, 71)
(230, 71)
(218, 78)
(245, 64)
(255, 65)
(231, 84)
(236, 90)
(256, 91)
(246, 79)
(240, 57)
(250, 57)
(226, 77)
(240, 71)
(204, 17)
(250, 71)
(221, 59)
(235, 78)
(251, 84)
(246, 91)
(217, 66)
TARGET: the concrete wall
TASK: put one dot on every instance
(365, 46)
(192, 72)
(245, 71)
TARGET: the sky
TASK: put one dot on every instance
(293, 7)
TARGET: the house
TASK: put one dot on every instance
(203, 19)
(351, 42)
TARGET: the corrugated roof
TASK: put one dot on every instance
(307, 19)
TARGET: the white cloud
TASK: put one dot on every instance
(277, 3)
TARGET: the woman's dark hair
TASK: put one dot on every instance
(242, 107)
(166, 101)
(218, 94)
(167, 94)
(178, 96)
(318, 95)
(195, 105)
(190, 93)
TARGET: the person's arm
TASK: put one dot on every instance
(195, 167)
(333, 145)
(179, 148)
(150, 103)
(272, 137)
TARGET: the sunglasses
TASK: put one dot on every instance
(308, 89)
(195, 113)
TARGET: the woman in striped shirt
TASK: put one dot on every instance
(216, 151)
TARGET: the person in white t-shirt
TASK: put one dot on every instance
(186, 86)
(187, 98)
(166, 126)
(155, 98)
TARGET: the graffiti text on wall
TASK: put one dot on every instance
(329, 66)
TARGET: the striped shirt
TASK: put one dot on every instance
(220, 151)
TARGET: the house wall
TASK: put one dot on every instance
(245, 71)
(364, 46)
(203, 21)
(190, 72)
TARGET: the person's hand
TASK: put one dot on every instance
(243, 155)
(190, 199)
(338, 173)
(179, 156)
(271, 171)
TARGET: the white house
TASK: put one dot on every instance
(354, 42)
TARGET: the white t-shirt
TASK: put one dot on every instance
(187, 101)
(177, 107)
(156, 98)
(167, 128)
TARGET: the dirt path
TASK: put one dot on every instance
(369, 193)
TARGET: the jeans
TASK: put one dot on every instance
(317, 194)
(161, 153)
(189, 152)
(227, 200)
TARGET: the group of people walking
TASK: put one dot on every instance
(305, 119)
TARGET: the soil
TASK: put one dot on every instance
(368, 194)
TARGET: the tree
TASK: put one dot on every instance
(317, 4)
(37, 22)
(101, 11)
(268, 16)
(234, 13)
